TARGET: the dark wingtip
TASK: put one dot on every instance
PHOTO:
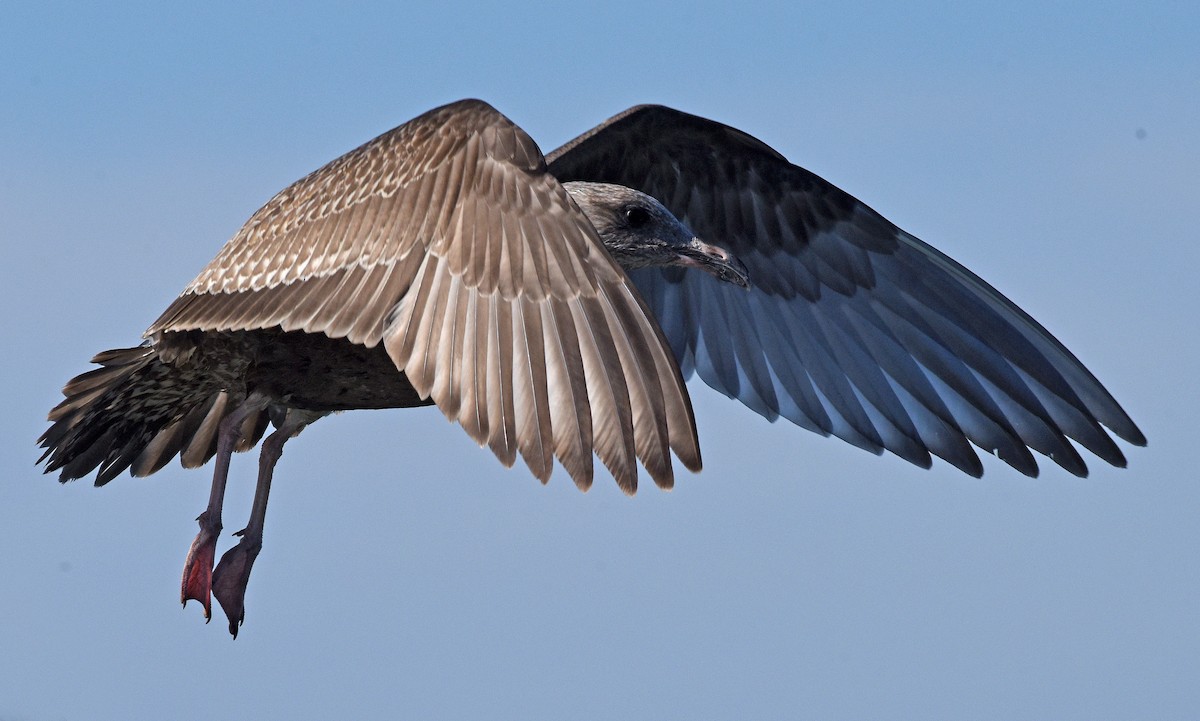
(1133, 435)
(1079, 471)
(971, 465)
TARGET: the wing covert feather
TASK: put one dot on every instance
(448, 241)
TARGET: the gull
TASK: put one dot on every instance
(553, 306)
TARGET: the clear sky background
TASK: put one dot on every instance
(406, 574)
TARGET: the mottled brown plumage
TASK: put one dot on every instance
(446, 263)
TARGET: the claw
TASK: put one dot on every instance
(198, 568)
(231, 576)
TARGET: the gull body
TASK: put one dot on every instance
(553, 306)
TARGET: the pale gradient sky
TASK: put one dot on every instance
(406, 574)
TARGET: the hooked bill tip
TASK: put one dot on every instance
(716, 261)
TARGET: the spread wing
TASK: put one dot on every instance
(852, 327)
(446, 240)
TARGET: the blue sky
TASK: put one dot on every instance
(1054, 151)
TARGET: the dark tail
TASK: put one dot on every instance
(136, 412)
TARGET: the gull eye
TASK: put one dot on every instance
(636, 216)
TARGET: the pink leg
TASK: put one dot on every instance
(233, 572)
(197, 569)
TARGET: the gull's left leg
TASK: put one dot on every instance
(198, 568)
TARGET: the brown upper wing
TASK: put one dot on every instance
(447, 240)
(851, 327)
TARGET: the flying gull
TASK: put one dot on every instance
(552, 307)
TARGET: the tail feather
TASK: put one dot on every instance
(136, 412)
(202, 443)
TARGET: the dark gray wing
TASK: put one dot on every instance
(446, 240)
(852, 327)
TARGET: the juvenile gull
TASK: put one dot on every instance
(446, 262)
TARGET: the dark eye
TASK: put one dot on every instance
(636, 216)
